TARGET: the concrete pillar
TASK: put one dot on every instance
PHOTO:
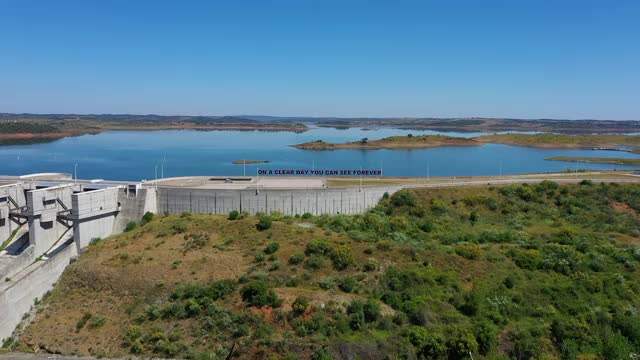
(93, 213)
(43, 207)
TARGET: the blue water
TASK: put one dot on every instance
(133, 155)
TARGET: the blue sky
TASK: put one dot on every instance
(510, 58)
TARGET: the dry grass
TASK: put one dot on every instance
(119, 276)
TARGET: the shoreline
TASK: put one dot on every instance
(18, 138)
(628, 143)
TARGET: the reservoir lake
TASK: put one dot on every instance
(134, 155)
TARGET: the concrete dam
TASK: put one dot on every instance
(46, 220)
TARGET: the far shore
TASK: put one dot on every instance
(29, 137)
(629, 143)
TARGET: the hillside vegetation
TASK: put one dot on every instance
(514, 272)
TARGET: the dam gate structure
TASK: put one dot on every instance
(45, 224)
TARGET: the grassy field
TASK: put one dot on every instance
(519, 271)
(616, 161)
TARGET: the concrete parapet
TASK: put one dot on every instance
(133, 205)
(288, 202)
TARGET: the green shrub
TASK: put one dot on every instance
(404, 198)
(214, 290)
(234, 215)
(258, 293)
(179, 227)
(296, 259)
(260, 257)
(318, 247)
(468, 251)
(370, 265)
(146, 218)
(347, 284)
(428, 344)
(384, 245)
(274, 266)
(307, 216)
(271, 248)
(342, 257)
(96, 321)
(300, 305)
(438, 207)
(314, 262)
(327, 283)
(586, 182)
(264, 223)
(132, 225)
(83, 321)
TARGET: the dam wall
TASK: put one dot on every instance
(288, 202)
(133, 205)
(17, 295)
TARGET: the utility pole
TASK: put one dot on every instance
(428, 170)
(75, 173)
(156, 170)
(162, 168)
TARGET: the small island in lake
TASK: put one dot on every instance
(393, 142)
(244, 162)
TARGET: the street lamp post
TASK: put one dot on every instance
(75, 173)
(156, 184)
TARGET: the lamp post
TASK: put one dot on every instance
(428, 170)
(75, 173)
(156, 170)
